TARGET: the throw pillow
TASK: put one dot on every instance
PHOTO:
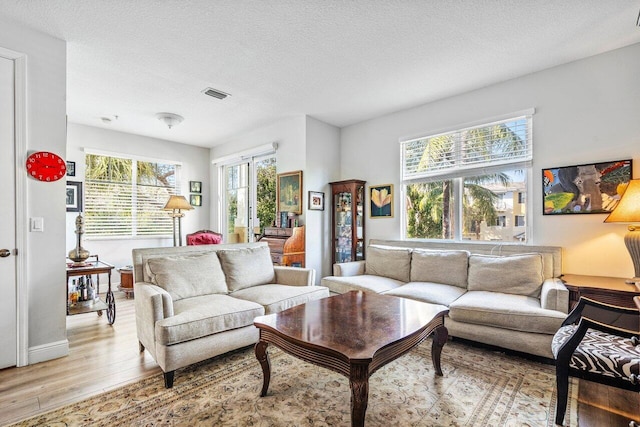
(247, 267)
(446, 267)
(514, 274)
(187, 276)
(388, 261)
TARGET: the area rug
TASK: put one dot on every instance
(479, 388)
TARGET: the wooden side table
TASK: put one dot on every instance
(610, 290)
(126, 281)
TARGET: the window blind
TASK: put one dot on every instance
(125, 197)
(468, 150)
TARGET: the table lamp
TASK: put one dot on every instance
(628, 210)
(177, 204)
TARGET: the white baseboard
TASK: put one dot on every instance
(49, 351)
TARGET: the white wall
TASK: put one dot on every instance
(195, 167)
(586, 111)
(45, 252)
(322, 165)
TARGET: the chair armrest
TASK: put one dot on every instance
(353, 268)
(152, 304)
(554, 295)
(611, 315)
(294, 276)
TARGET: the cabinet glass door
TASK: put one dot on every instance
(343, 223)
(359, 223)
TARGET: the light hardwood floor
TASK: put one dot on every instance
(104, 357)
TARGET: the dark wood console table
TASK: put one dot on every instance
(610, 290)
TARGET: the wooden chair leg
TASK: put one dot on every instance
(562, 385)
(168, 379)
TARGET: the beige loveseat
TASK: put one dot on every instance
(196, 302)
(503, 295)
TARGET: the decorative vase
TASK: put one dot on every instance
(79, 254)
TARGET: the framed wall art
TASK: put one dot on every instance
(583, 189)
(316, 201)
(71, 168)
(195, 200)
(381, 201)
(74, 196)
(195, 186)
(289, 192)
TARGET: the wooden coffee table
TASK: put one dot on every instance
(354, 334)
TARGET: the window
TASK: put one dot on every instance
(519, 220)
(461, 185)
(125, 196)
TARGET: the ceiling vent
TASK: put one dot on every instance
(215, 93)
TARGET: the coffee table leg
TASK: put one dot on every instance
(263, 358)
(359, 382)
(440, 336)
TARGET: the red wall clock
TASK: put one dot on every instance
(46, 166)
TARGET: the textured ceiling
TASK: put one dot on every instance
(339, 61)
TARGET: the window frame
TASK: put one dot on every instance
(458, 175)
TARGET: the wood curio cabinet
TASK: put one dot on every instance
(348, 236)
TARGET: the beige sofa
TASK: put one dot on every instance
(503, 295)
(196, 302)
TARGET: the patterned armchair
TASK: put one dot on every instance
(597, 342)
(204, 237)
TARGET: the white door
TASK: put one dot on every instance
(8, 304)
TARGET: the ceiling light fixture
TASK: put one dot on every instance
(169, 119)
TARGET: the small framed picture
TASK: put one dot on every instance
(74, 196)
(316, 201)
(289, 192)
(71, 168)
(195, 187)
(196, 200)
(381, 197)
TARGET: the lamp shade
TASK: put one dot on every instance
(628, 209)
(177, 202)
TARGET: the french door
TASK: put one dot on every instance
(249, 198)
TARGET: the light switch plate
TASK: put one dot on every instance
(37, 224)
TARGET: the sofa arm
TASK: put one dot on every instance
(352, 268)
(152, 304)
(294, 276)
(554, 295)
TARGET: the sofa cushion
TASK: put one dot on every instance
(514, 274)
(366, 283)
(275, 298)
(246, 267)
(508, 311)
(187, 276)
(434, 293)
(448, 267)
(387, 261)
(205, 315)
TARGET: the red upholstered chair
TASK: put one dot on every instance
(204, 237)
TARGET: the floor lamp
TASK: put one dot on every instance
(628, 210)
(177, 204)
